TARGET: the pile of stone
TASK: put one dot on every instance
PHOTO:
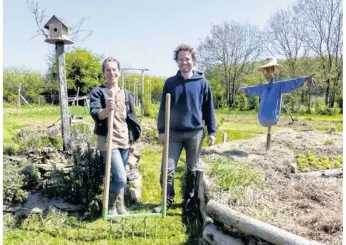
(133, 190)
(49, 159)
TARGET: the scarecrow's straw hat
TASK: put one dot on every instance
(272, 62)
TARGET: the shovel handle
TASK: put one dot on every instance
(108, 160)
(165, 154)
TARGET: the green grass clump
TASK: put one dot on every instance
(233, 177)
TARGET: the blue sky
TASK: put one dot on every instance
(141, 33)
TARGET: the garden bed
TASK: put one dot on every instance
(260, 184)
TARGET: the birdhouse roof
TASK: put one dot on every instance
(54, 19)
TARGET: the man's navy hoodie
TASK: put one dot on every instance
(192, 105)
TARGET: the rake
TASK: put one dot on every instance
(143, 216)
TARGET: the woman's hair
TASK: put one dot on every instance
(184, 47)
(110, 59)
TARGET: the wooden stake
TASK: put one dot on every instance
(268, 138)
(108, 159)
(224, 137)
(25, 101)
(143, 99)
(77, 97)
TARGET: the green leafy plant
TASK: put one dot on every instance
(83, 185)
(310, 161)
(13, 181)
(233, 177)
(31, 176)
(328, 142)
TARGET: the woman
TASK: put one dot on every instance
(126, 129)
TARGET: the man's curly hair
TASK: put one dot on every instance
(184, 47)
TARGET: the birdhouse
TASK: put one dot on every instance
(58, 31)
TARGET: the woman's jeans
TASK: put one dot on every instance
(118, 163)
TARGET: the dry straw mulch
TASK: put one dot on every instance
(311, 208)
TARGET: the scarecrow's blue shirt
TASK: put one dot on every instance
(270, 94)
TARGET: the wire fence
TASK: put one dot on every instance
(293, 107)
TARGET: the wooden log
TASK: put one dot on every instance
(216, 237)
(201, 197)
(322, 173)
(251, 226)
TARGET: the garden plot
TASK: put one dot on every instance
(260, 184)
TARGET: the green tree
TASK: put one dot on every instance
(32, 85)
(83, 71)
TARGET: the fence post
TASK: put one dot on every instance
(18, 98)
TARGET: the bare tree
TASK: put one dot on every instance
(232, 46)
(77, 34)
(285, 38)
(322, 26)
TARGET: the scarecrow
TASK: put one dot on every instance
(270, 94)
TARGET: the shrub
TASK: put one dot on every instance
(10, 149)
(240, 102)
(253, 102)
(54, 141)
(31, 176)
(84, 184)
(12, 184)
(81, 135)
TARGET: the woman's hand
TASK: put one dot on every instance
(110, 104)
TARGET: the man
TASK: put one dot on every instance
(192, 109)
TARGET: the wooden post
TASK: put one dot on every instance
(18, 98)
(134, 92)
(143, 99)
(149, 91)
(309, 101)
(268, 138)
(77, 96)
(122, 79)
(224, 137)
(201, 197)
(137, 103)
(60, 61)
